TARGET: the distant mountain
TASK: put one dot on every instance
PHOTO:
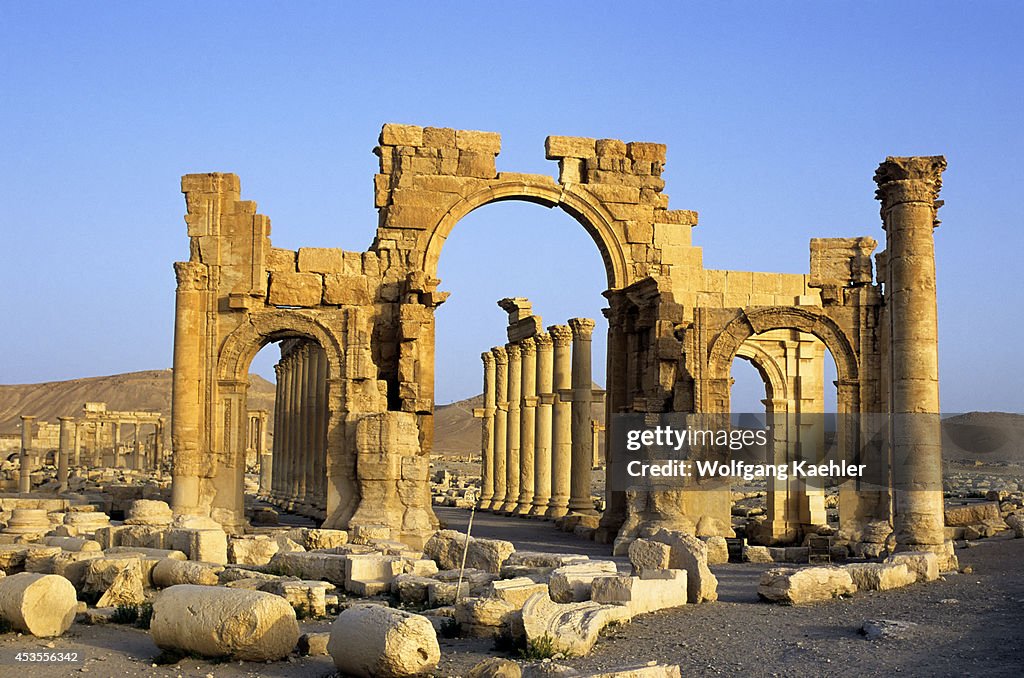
(149, 390)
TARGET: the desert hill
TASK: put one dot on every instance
(149, 390)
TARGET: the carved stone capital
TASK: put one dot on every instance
(582, 328)
(914, 179)
(561, 335)
(543, 341)
(191, 275)
(488, 358)
(500, 355)
(513, 351)
(527, 346)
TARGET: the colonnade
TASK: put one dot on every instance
(297, 468)
(537, 434)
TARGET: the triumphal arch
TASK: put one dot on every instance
(355, 402)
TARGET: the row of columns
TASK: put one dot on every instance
(537, 443)
(296, 470)
(70, 444)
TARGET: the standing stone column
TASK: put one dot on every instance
(527, 425)
(309, 406)
(158, 447)
(542, 438)
(118, 460)
(561, 421)
(280, 433)
(582, 395)
(320, 462)
(908, 189)
(515, 390)
(295, 442)
(487, 432)
(63, 451)
(28, 425)
(139, 466)
(500, 426)
(97, 441)
(304, 457)
(76, 451)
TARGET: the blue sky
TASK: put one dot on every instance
(775, 116)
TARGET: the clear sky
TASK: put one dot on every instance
(775, 115)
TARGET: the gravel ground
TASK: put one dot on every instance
(966, 625)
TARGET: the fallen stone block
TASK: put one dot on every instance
(691, 554)
(73, 543)
(447, 547)
(885, 629)
(100, 573)
(652, 590)
(757, 554)
(880, 576)
(314, 644)
(209, 545)
(126, 589)
(308, 598)
(411, 589)
(515, 591)
(571, 583)
(252, 550)
(314, 539)
(973, 514)
(168, 572)
(804, 585)
(96, 616)
(371, 641)
(572, 627)
(220, 622)
(718, 552)
(311, 565)
(41, 604)
(650, 670)
(648, 554)
(72, 565)
(496, 667)
(1016, 522)
(483, 617)
(924, 564)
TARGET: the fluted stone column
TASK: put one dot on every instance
(527, 425)
(487, 433)
(500, 427)
(309, 360)
(542, 438)
(25, 471)
(515, 388)
(76, 451)
(291, 488)
(302, 414)
(582, 396)
(561, 421)
(63, 452)
(908, 189)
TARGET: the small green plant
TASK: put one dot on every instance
(125, 614)
(450, 628)
(541, 648)
(145, 615)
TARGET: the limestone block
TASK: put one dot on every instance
(142, 552)
(421, 567)
(370, 574)
(220, 622)
(483, 617)
(496, 667)
(73, 543)
(309, 596)
(320, 260)
(650, 591)
(440, 137)
(924, 564)
(12, 556)
(1016, 522)
(126, 589)
(718, 550)
(149, 512)
(26, 521)
(319, 566)
(556, 147)
(281, 260)
(574, 627)
(168, 572)
(516, 591)
(805, 585)
(447, 546)
(86, 522)
(100, 573)
(411, 589)
(207, 545)
(347, 290)
(41, 559)
(645, 554)
(72, 565)
(572, 583)
(645, 671)
(880, 576)
(479, 142)
(691, 554)
(974, 514)
(379, 642)
(295, 289)
(642, 150)
(479, 165)
(313, 539)
(401, 135)
(252, 550)
(841, 261)
(41, 604)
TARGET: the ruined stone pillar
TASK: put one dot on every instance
(63, 452)
(908, 189)
(96, 453)
(515, 388)
(118, 459)
(25, 471)
(280, 427)
(139, 465)
(189, 349)
(561, 421)
(582, 396)
(595, 444)
(76, 451)
(309, 436)
(158, 447)
(527, 425)
(487, 432)
(542, 438)
(500, 427)
(320, 462)
(302, 430)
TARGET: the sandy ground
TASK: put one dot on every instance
(967, 624)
